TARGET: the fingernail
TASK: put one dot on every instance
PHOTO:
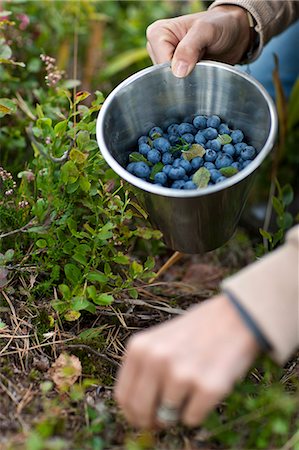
(180, 69)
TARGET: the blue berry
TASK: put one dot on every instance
(189, 185)
(199, 138)
(215, 174)
(178, 184)
(196, 162)
(209, 165)
(248, 152)
(200, 122)
(223, 129)
(167, 168)
(239, 147)
(222, 178)
(210, 155)
(144, 149)
(186, 165)
(173, 129)
(144, 140)
(188, 137)
(167, 158)
(186, 128)
(210, 133)
(223, 160)
(142, 170)
(229, 149)
(213, 121)
(237, 136)
(176, 163)
(161, 178)
(214, 145)
(236, 165)
(155, 132)
(174, 139)
(131, 167)
(177, 173)
(162, 144)
(154, 156)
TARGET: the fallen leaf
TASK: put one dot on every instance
(204, 276)
(65, 371)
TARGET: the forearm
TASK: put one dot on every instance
(269, 291)
(271, 17)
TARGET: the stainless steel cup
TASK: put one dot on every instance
(193, 221)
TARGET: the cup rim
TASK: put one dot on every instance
(165, 191)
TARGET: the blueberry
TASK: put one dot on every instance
(186, 165)
(154, 156)
(210, 155)
(144, 140)
(199, 138)
(144, 149)
(237, 136)
(210, 133)
(209, 165)
(223, 160)
(167, 168)
(189, 185)
(188, 137)
(186, 128)
(173, 129)
(213, 121)
(248, 152)
(239, 147)
(178, 184)
(176, 163)
(167, 158)
(215, 174)
(142, 170)
(162, 144)
(222, 178)
(131, 167)
(161, 178)
(155, 132)
(196, 162)
(236, 165)
(174, 139)
(229, 149)
(223, 129)
(177, 173)
(214, 144)
(186, 178)
(200, 122)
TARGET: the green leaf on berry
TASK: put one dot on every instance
(228, 171)
(137, 157)
(224, 139)
(201, 177)
(156, 168)
(194, 151)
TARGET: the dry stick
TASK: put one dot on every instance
(172, 260)
(291, 442)
(34, 347)
(100, 355)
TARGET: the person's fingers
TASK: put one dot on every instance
(177, 386)
(151, 53)
(162, 41)
(201, 402)
(192, 48)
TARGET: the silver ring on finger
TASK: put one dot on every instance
(167, 414)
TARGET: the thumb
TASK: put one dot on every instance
(192, 48)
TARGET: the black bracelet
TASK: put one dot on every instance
(249, 322)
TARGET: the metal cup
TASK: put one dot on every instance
(200, 220)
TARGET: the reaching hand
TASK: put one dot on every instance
(221, 34)
(186, 365)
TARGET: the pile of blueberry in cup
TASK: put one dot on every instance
(193, 154)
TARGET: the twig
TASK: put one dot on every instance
(20, 230)
(172, 260)
(290, 444)
(34, 347)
